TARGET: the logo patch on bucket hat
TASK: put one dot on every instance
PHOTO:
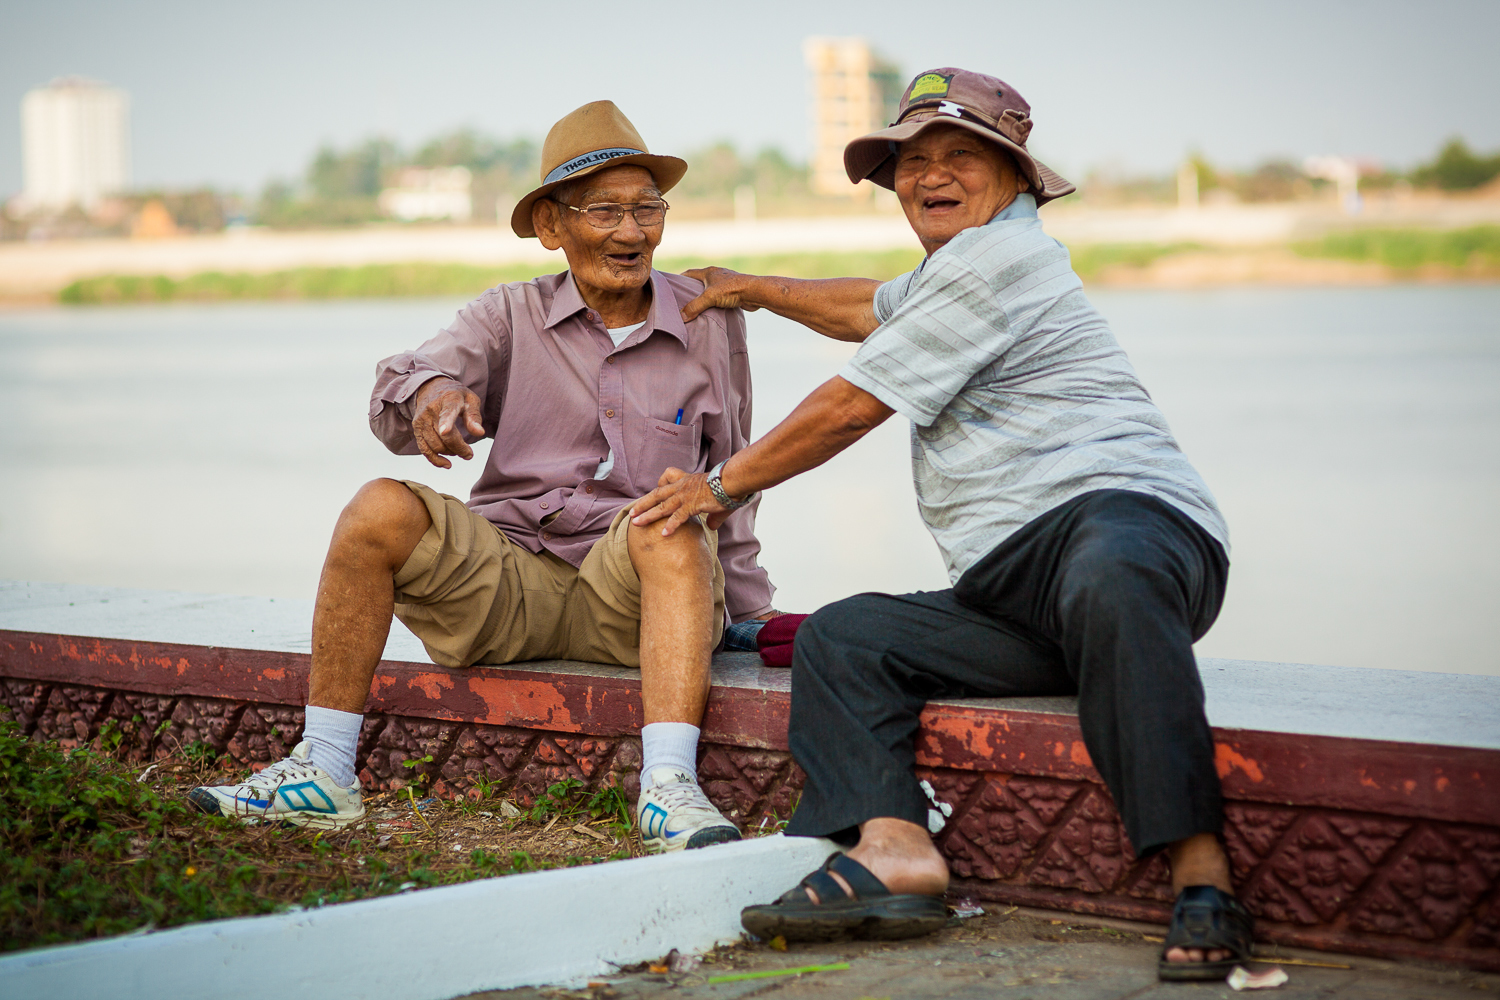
(928, 85)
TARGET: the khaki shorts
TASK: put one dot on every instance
(474, 596)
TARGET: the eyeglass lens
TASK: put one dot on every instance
(607, 216)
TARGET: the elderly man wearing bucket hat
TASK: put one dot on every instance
(591, 384)
(1086, 553)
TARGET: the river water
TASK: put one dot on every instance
(1352, 437)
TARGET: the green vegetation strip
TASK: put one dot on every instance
(376, 281)
(1408, 249)
(735, 977)
(1477, 247)
(93, 846)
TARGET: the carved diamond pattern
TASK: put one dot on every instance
(265, 733)
(24, 699)
(1339, 875)
(993, 834)
(1087, 853)
(1426, 888)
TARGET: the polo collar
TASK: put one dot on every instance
(567, 301)
(1024, 207)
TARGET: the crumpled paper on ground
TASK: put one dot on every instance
(1243, 979)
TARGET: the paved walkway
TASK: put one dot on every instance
(1010, 955)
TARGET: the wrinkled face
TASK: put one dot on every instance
(612, 260)
(949, 179)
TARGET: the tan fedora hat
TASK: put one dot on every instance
(596, 136)
(982, 104)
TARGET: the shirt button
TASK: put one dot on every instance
(544, 505)
(588, 489)
(546, 536)
(593, 316)
(610, 359)
(609, 413)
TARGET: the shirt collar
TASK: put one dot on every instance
(1024, 207)
(664, 315)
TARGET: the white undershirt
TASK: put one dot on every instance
(618, 335)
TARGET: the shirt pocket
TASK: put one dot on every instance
(667, 445)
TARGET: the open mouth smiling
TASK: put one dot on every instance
(939, 203)
(625, 259)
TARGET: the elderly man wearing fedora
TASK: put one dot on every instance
(1086, 553)
(590, 384)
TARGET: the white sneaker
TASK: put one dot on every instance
(673, 814)
(292, 790)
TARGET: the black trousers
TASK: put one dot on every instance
(1101, 597)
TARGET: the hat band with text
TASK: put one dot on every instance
(587, 160)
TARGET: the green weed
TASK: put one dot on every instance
(89, 848)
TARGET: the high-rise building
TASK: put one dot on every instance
(75, 143)
(854, 92)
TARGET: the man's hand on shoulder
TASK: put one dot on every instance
(722, 289)
(437, 409)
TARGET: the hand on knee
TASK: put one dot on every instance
(685, 552)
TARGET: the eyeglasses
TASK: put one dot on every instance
(608, 216)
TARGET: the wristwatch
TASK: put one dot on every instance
(716, 484)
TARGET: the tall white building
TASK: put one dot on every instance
(854, 92)
(75, 143)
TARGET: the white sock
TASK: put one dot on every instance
(334, 740)
(669, 744)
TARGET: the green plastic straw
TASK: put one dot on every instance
(734, 977)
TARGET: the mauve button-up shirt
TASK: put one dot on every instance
(559, 395)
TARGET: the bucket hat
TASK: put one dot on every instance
(588, 140)
(982, 104)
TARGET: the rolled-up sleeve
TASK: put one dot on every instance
(474, 350)
(947, 328)
(747, 587)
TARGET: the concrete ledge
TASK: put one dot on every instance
(1374, 829)
(520, 930)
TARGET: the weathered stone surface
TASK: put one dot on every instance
(1315, 875)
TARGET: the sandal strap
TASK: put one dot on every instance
(1208, 918)
(823, 884)
(860, 879)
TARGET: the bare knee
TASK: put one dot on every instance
(684, 551)
(385, 520)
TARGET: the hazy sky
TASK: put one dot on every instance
(233, 94)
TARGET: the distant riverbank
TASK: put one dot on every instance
(1367, 257)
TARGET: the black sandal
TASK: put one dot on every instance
(1209, 919)
(872, 911)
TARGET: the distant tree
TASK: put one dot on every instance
(480, 153)
(1457, 168)
(358, 173)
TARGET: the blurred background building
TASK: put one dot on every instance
(75, 141)
(853, 92)
(429, 193)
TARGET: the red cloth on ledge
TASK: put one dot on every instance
(775, 639)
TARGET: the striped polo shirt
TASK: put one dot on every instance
(1020, 398)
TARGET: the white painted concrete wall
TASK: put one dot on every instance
(543, 927)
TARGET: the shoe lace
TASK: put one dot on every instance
(684, 795)
(286, 769)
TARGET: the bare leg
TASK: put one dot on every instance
(677, 626)
(374, 536)
(1198, 860)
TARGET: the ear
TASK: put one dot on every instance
(545, 220)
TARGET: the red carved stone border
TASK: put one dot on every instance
(1347, 845)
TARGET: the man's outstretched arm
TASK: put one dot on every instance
(841, 308)
(836, 414)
